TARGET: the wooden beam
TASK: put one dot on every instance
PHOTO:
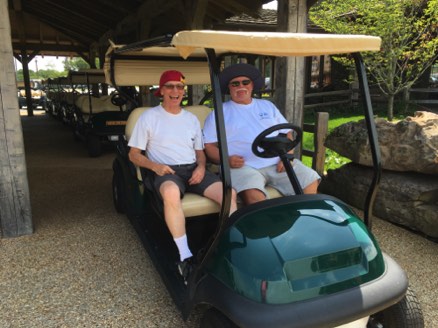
(236, 7)
(290, 72)
(15, 209)
(26, 76)
(195, 11)
(50, 47)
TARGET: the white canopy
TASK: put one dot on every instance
(274, 43)
(131, 71)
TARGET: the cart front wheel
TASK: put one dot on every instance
(215, 319)
(405, 314)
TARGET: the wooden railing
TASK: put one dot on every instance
(429, 96)
(341, 97)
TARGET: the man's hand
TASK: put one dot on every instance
(197, 175)
(161, 169)
(280, 167)
(236, 161)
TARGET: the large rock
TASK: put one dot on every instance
(409, 199)
(409, 145)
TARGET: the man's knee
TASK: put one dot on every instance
(251, 196)
(312, 188)
(170, 191)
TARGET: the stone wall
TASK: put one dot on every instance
(408, 191)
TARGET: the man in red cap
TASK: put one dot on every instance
(172, 140)
(245, 118)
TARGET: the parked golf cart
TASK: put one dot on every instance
(57, 93)
(38, 95)
(293, 261)
(96, 118)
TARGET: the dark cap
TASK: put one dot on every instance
(236, 70)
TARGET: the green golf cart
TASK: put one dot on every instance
(289, 261)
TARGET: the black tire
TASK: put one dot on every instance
(405, 314)
(119, 194)
(94, 145)
(215, 319)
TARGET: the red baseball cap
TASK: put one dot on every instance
(169, 76)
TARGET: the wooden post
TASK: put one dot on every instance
(15, 210)
(26, 76)
(290, 72)
(321, 131)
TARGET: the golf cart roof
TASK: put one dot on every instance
(129, 69)
(273, 43)
(85, 76)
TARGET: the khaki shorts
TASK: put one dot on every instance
(247, 177)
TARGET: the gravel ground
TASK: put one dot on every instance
(85, 266)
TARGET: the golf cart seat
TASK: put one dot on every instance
(98, 105)
(193, 204)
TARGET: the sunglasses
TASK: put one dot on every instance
(173, 86)
(237, 83)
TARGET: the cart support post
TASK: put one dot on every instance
(373, 139)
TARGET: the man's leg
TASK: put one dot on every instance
(174, 216)
(214, 192)
(249, 183)
(307, 177)
(312, 188)
(251, 196)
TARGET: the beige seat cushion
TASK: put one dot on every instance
(98, 105)
(193, 204)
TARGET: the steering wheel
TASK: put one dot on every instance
(278, 145)
(118, 100)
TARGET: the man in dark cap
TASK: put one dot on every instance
(171, 140)
(245, 118)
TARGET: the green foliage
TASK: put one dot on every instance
(408, 29)
(42, 74)
(75, 64)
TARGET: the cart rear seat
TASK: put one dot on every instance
(193, 204)
(98, 105)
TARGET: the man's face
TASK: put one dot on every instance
(241, 90)
(172, 92)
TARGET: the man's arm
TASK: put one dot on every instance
(138, 159)
(280, 165)
(212, 151)
(198, 173)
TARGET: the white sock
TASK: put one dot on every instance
(183, 247)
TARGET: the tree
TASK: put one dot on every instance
(42, 74)
(75, 64)
(408, 29)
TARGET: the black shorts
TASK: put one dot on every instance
(181, 177)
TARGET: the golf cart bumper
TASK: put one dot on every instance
(325, 311)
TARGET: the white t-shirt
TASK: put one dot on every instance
(168, 138)
(243, 123)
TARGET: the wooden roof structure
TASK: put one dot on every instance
(71, 28)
